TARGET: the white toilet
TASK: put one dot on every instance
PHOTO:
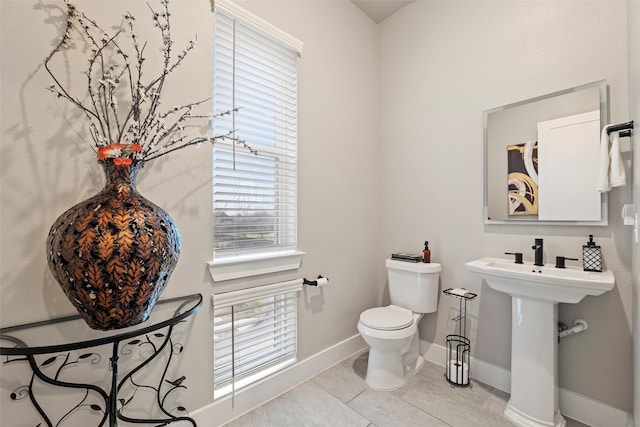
(392, 331)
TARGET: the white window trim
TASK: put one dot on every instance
(233, 9)
(236, 267)
(264, 291)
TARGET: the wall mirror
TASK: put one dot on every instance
(541, 159)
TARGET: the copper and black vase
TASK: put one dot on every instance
(113, 253)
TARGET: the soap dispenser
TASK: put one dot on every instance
(426, 253)
(591, 256)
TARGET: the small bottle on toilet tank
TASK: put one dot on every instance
(426, 253)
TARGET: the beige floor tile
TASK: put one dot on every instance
(271, 414)
(340, 397)
(314, 406)
(457, 406)
(496, 404)
(345, 380)
(307, 405)
(386, 410)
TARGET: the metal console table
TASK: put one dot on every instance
(62, 338)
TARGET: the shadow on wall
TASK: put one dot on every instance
(40, 179)
(313, 299)
(491, 344)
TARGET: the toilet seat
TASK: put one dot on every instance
(389, 318)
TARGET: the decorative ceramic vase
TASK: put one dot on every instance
(113, 253)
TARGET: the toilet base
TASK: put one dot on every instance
(386, 379)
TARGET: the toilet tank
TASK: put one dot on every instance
(413, 285)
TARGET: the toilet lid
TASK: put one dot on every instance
(388, 318)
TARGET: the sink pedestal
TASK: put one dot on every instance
(534, 375)
(535, 293)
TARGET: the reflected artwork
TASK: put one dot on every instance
(523, 178)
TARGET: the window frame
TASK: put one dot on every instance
(276, 323)
(228, 266)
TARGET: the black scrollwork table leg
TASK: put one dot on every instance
(113, 404)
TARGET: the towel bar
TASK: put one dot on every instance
(621, 126)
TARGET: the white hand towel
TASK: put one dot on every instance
(603, 176)
(617, 177)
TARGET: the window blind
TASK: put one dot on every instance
(254, 196)
(255, 334)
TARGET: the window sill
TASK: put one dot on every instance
(239, 267)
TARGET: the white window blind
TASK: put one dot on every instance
(254, 196)
(255, 334)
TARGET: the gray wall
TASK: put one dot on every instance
(634, 105)
(47, 165)
(442, 64)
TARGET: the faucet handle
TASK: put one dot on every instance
(518, 256)
(560, 261)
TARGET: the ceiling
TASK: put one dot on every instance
(380, 9)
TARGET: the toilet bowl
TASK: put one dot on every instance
(392, 335)
(392, 331)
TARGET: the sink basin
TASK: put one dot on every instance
(535, 293)
(546, 283)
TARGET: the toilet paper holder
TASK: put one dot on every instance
(320, 281)
(458, 348)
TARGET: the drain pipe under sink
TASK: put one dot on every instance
(579, 325)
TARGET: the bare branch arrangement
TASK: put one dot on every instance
(143, 130)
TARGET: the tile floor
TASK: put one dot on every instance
(339, 397)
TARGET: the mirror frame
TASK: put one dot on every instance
(604, 119)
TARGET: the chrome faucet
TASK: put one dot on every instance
(538, 254)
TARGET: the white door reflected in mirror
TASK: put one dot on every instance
(568, 164)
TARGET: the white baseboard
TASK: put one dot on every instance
(589, 411)
(228, 408)
(573, 405)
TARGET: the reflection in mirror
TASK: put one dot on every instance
(541, 159)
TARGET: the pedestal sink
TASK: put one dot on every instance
(535, 293)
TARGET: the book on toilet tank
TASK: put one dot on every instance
(404, 256)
